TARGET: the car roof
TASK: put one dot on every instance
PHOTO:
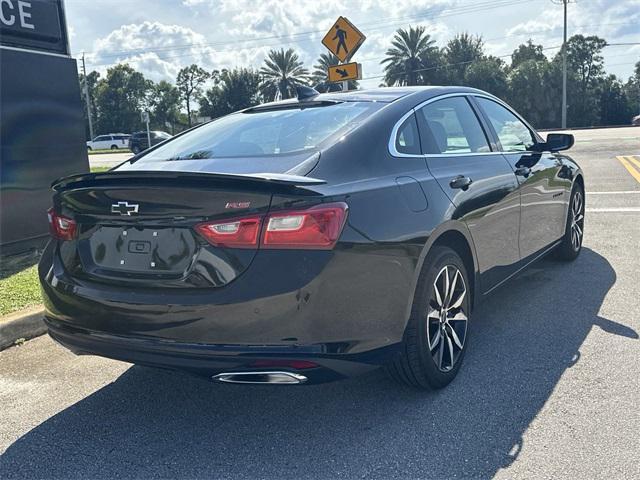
(381, 94)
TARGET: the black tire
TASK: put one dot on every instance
(135, 150)
(417, 364)
(114, 147)
(571, 244)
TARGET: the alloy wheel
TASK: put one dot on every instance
(446, 319)
(577, 220)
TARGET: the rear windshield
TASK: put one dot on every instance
(266, 132)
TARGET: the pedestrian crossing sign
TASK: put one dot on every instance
(343, 39)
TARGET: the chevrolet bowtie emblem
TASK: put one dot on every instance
(124, 208)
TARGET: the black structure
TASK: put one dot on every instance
(308, 240)
(42, 136)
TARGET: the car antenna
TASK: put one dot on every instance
(303, 92)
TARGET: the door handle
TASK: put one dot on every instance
(460, 182)
(523, 171)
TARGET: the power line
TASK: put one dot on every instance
(470, 8)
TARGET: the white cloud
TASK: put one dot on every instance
(231, 33)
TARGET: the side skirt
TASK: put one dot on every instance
(537, 257)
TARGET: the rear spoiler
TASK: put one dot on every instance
(264, 179)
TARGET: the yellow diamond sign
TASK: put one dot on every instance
(343, 39)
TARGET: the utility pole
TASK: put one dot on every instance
(86, 97)
(564, 68)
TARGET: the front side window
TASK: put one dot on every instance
(265, 132)
(514, 135)
(452, 127)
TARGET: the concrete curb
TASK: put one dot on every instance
(24, 324)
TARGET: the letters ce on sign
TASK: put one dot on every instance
(344, 72)
(33, 25)
(343, 39)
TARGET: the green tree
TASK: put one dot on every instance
(527, 51)
(585, 69)
(632, 89)
(281, 73)
(488, 74)
(459, 53)
(320, 73)
(189, 82)
(615, 106)
(233, 90)
(534, 91)
(120, 97)
(165, 105)
(412, 59)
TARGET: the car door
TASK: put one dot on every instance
(101, 142)
(544, 194)
(478, 181)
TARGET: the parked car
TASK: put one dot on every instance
(311, 239)
(139, 142)
(112, 141)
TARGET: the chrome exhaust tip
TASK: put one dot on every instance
(273, 378)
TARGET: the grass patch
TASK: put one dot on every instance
(99, 169)
(102, 151)
(19, 286)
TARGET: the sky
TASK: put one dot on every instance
(158, 37)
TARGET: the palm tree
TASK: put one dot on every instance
(324, 62)
(413, 50)
(282, 72)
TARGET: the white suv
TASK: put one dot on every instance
(112, 141)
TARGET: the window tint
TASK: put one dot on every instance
(101, 138)
(265, 132)
(452, 127)
(512, 133)
(407, 139)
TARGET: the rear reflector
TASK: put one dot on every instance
(61, 227)
(240, 233)
(318, 227)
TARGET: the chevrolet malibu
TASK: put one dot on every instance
(311, 239)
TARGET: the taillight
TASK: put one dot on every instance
(61, 227)
(317, 227)
(240, 233)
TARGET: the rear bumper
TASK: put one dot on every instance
(211, 360)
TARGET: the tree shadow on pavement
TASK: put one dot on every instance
(152, 423)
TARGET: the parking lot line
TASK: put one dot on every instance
(613, 210)
(633, 159)
(634, 173)
(616, 192)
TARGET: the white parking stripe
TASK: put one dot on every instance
(605, 210)
(620, 192)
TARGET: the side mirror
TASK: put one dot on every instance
(556, 142)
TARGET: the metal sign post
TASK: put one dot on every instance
(145, 119)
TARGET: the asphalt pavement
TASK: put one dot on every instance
(550, 387)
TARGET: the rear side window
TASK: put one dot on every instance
(452, 127)
(513, 134)
(407, 139)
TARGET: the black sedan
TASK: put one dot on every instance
(311, 239)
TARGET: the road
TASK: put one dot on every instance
(550, 387)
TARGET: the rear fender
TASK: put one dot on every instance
(451, 225)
